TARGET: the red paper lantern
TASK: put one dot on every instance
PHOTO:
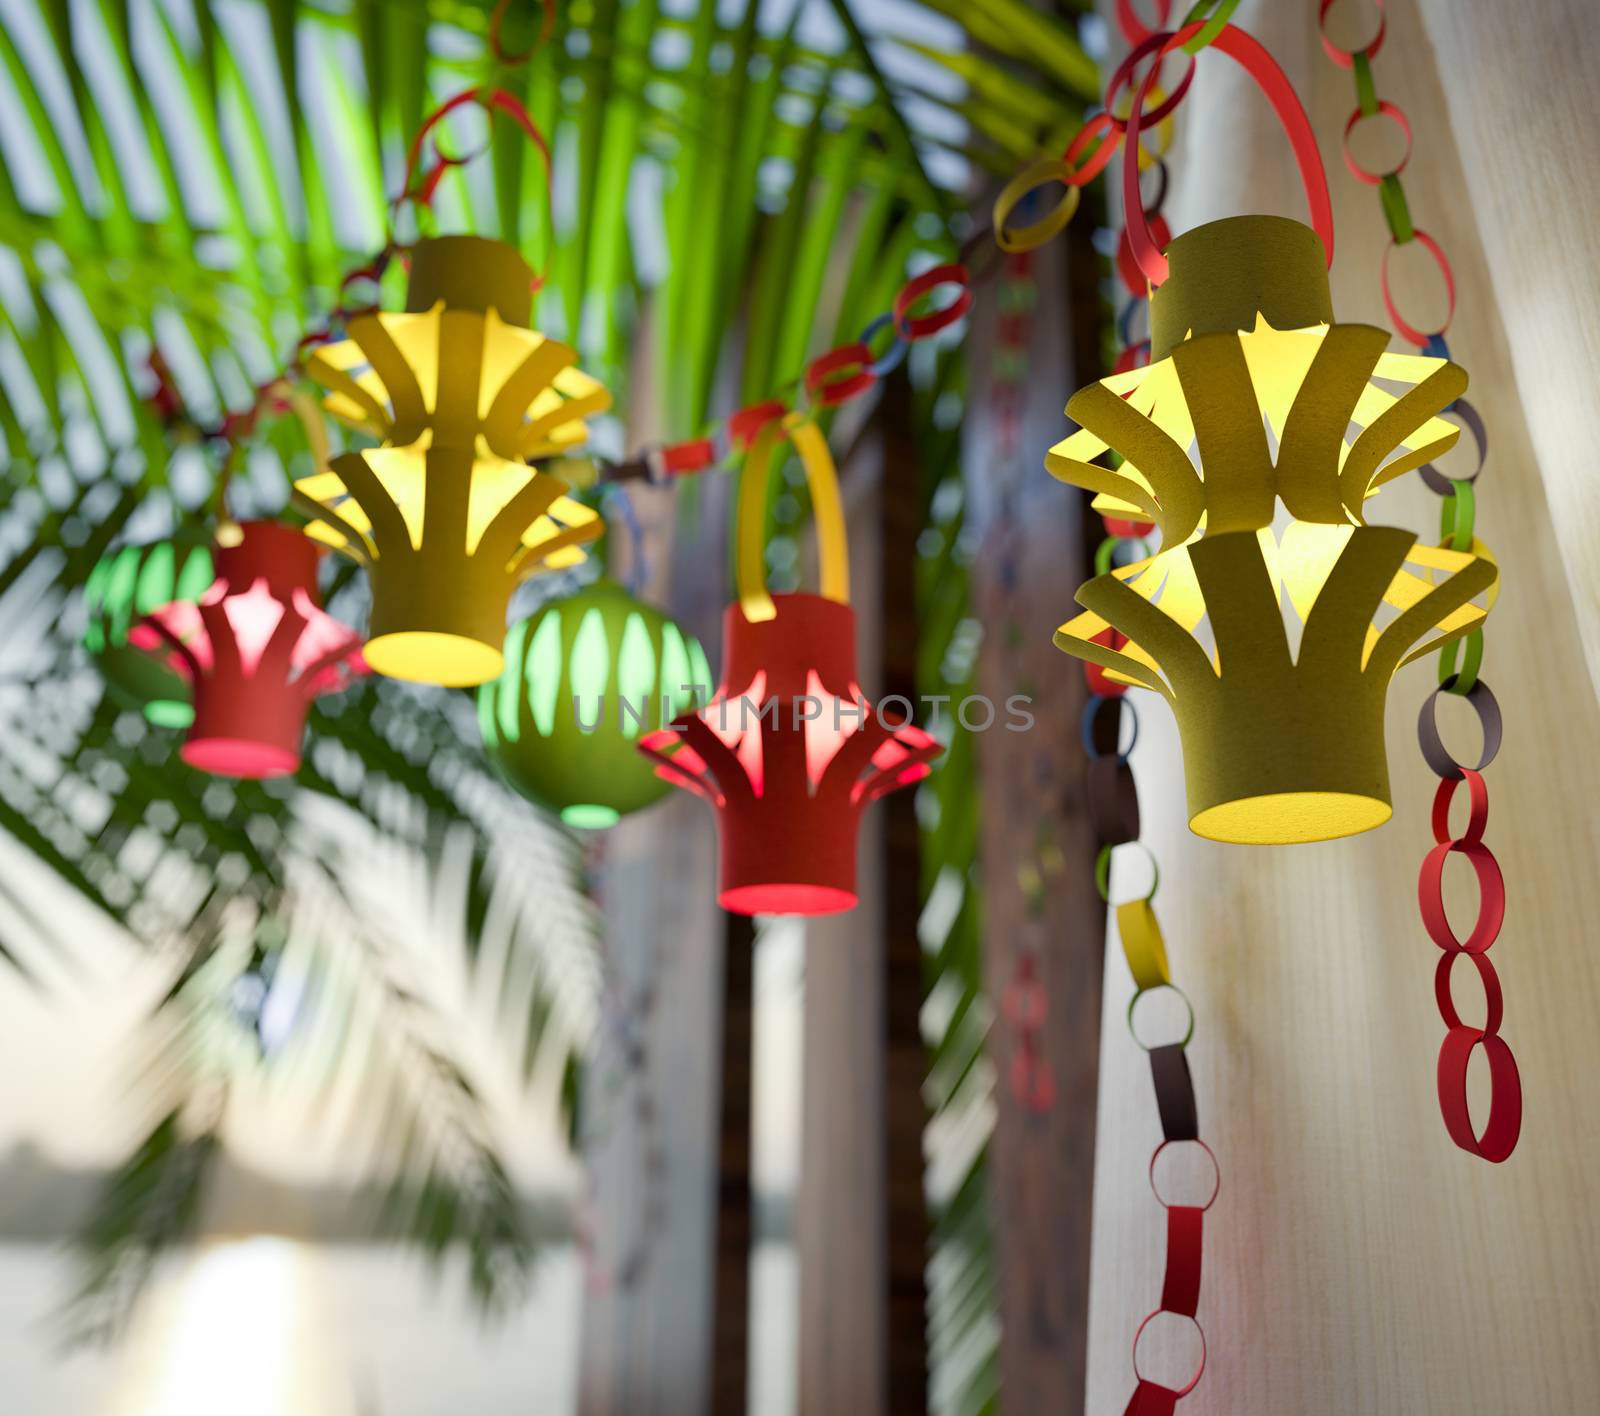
(257, 648)
(788, 751)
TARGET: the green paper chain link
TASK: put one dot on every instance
(1457, 514)
(1102, 871)
(1366, 87)
(1220, 12)
(1466, 678)
(1396, 210)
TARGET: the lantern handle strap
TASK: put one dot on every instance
(1274, 83)
(823, 481)
(421, 182)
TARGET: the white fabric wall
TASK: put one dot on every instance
(1357, 1262)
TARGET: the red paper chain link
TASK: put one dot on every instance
(421, 183)
(1504, 1124)
(835, 377)
(1274, 83)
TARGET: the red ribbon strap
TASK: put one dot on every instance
(1504, 1126)
(422, 189)
(1274, 83)
(1181, 1291)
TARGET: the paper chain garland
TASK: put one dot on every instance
(1113, 798)
(1457, 516)
(1114, 807)
(847, 372)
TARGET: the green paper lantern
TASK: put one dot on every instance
(584, 680)
(125, 585)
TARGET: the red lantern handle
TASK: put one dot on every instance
(1274, 83)
(422, 187)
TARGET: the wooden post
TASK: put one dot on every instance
(647, 1346)
(730, 1326)
(1033, 558)
(905, 1062)
(840, 1223)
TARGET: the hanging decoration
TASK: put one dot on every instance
(1281, 743)
(446, 514)
(1459, 664)
(788, 751)
(584, 679)
(123, 586)
(256, 648)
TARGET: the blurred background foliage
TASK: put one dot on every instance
(736, 187)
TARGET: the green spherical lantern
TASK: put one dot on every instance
(584, 680)
(124, 585)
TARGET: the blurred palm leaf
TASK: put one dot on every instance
(730, 196)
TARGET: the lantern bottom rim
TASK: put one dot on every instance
(169, 713)
(1290, 818)
(590, 815)
(239, 757)
(786, 899)
(427, 656)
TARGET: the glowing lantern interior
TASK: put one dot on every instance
(125, 585)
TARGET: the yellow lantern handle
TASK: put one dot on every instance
(823, 480)
(309, 412)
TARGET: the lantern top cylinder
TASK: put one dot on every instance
(471, 273)
(1226, 273)
(269, 551)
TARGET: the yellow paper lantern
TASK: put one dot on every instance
(1255, 397)
(446, 514)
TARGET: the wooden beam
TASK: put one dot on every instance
(730, 1323)
(905, 1061)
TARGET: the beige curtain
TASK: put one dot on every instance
(1356, 1261)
